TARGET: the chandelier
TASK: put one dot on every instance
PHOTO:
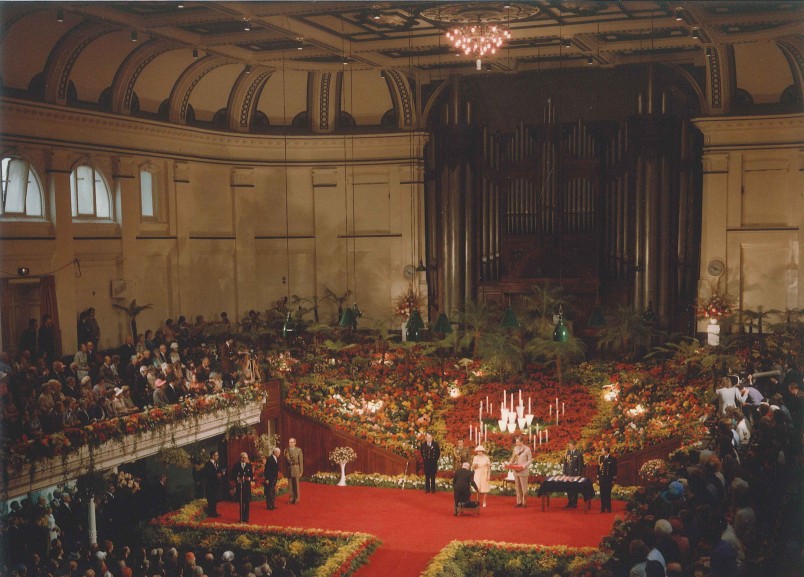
(478, 40)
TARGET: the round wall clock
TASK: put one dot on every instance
(409, 271)
(716, 267)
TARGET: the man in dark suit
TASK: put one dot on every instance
(431, 452)
(573, 467)
(606, 475)
(271, 475)
(213, 473)
(159, 495)
(244, 475)
(462, 484)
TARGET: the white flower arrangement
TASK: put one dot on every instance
(342, 455)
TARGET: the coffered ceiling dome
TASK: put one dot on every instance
(321, 66)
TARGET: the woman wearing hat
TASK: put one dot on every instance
(481, 465)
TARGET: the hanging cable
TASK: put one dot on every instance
(74, 262)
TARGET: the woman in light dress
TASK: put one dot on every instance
(481, 465)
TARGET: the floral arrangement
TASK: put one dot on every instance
(406, 303)
(26, 450)
(342, 455)
(310, 552)
(715, 307)
(175, 456)
(127, 482)
(653, 470)
(494, 559)
(238, 430)
(265, 444)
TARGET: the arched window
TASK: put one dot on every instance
(22, 193)
(90, 194)
(149, 193)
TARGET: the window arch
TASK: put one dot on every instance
(150, 192)
(90, 194)
(21, 189)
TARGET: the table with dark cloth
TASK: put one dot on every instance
(562, 484)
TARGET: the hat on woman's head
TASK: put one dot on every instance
(480, 449)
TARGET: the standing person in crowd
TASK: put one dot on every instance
(244, 475)
(82, 328)
(481, 465)
(606, 475)
(462, 484)
(521, 459)
(460, 455)
(727, 395)
(295, 460)
(47, 338)
(431, 452)
(271, 476)
(94, 327)
(28, 338)
(213, 473)
(573, 467)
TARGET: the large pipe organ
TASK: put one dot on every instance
(610, 210)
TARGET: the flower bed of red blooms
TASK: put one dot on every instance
(393, 404)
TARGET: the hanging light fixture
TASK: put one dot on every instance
(59, 15)
(347, 318)
(478, 40)
(561, 333)
(443, 325)
(195, 52)
(134, 36)
(414, 325)
(289, 327)
(509, 320)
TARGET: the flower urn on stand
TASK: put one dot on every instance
(341, 456)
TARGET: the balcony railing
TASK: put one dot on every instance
(36, 464)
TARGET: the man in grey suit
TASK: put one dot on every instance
(295, 461)
(521, 459)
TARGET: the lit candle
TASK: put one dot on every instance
(540, 437)
(550, 412)
(470, 431)
(547, 435)
(520, 397)
(562, 409)
(485, 434)
(487, 403)
(529, 411)
(512, 401)
(491, 408)
(556, 405)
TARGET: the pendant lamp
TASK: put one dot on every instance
(443, 325)
(347, 318)
(414, 325)
(561, 333)
(289, 327)
(509, 320)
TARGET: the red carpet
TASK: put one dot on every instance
(414, 525)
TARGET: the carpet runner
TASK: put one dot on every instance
(414, 526)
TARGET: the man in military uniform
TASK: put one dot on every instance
(606, 475)
(431, 452)
(295, 460)
(573, 467)
(460, 455)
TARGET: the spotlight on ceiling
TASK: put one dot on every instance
(376, 15)
(195, 52)
(180, 5)
(59, 15)
(23, 271)
(679, 14)
(566, 43)
(507, 5)
(382, 73)
(246, 26)
(696, 33)
(300, 43)
(590, 60)
(345, 61)
(248, 69)
(134, 36)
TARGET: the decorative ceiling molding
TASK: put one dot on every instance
(64, 56)
(183, 89)
(130, 70)
(244, 98)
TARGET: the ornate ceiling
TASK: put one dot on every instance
(410, 35)
(242, 66)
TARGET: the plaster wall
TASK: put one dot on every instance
(753, 210)
(236, 228)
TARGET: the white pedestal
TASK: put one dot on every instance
(713, 333)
